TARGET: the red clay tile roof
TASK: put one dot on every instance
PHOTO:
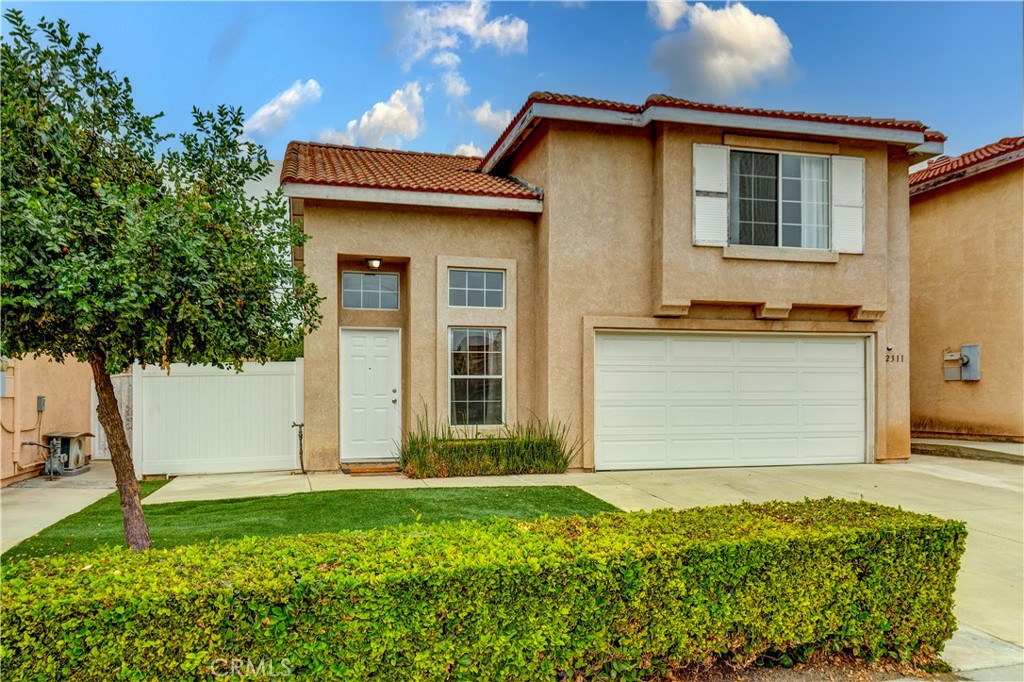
(577, 101)
(667, 101)
(945, 166)
(342, 166)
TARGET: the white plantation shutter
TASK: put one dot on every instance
(848, 204)
(710, 195)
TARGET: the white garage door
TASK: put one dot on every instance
(667, 400)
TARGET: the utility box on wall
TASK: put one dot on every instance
(962, 366)
(970, 358)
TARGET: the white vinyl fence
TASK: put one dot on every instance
(202, 420)
(123, 392)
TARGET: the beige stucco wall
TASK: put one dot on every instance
(617, 242)
(613, 250)
(691, 273)
(409, 241)
(67, 390)
(967, 274)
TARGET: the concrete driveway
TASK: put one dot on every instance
(988, 496)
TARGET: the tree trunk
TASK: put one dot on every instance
(136, 531)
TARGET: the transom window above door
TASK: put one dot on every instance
(369, 290)
(476, 288)
(778, 200)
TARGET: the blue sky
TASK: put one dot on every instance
(443, 76)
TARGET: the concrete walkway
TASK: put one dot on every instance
(988, 496)
(1012, 453)
(32, 505)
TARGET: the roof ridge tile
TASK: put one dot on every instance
(381, 150)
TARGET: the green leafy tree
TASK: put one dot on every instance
(115, 254)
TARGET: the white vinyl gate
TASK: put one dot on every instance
(123, 392)
(202, 420)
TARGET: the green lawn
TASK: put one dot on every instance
(182, 523)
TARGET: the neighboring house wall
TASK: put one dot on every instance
(66, 387)
(967, 270)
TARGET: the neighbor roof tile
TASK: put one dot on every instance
(945, 165)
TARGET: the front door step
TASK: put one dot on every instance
(371, 468)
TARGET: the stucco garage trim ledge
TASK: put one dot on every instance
(409, 198)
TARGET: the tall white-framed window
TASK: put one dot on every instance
(778, 199)
(369, 290)
(476, 288)
(476, 376)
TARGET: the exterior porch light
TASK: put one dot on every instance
(373, 263)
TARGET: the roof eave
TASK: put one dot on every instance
(913, 139)
(775, 124)
(373, 195)
(925, 151)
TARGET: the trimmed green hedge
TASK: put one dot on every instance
(631, 593)
(522, 448)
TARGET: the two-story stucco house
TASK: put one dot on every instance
(687, 285)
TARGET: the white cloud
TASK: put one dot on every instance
(275, 113)
(490, 120)
(439, 31)
(441, 28)
(447, 60)
(468, 149)
(723, 51)
(666, 13)
(332, 136)
(386, 124)
(455, 86)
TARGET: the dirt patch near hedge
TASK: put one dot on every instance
(826, 668)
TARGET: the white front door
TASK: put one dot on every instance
(371, 394)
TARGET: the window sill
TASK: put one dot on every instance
(780, 254)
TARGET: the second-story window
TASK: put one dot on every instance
(778, 200)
